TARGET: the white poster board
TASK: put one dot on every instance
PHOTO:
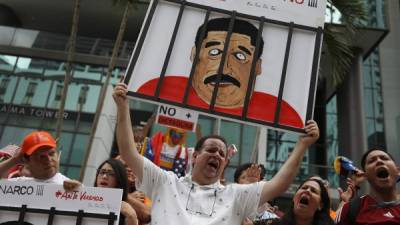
(285, 71)
(44, 196)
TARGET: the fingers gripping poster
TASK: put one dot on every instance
(32, 203)
(254, 61)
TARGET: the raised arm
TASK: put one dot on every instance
(282, 180)
(9, 163)
(149, 124)
(125, 140)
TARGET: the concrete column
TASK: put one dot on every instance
(351, 121)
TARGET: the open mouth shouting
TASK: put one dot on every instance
(382, 173)
(213, 164)
(226, 80)
(304, 201)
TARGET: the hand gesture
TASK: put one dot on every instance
(253, 174)
(18, 158)
(247, 221)
(129, 213)
(358, 177)
(312, 133)
(119, 94)
(70, 185)
(138, 195)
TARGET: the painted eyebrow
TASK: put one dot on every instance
(244, 49)
(212, 43)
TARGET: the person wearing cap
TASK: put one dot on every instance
(38, 151)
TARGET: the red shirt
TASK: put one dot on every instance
(261, 107)
(369, 214)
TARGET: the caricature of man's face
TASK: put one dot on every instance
(236, 71)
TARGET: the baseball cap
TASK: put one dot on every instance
(36, 140)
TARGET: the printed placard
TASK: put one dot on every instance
(172, 116)
(266, 74)
(44, 196)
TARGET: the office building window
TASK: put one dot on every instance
(3, 88)
(57, 96)
(331, 139)
(30, 92)
(373, 101)
(83, 95)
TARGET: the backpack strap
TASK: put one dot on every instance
(354, 208)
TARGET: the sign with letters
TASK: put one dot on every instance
(253, 61)
(173, 116)
(43, 196)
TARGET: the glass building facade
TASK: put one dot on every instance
(30, 94)
(373, 100)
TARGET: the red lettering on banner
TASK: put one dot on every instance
(74, 195)
(175, 122)
(85, 196)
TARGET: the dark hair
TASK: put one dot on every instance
(201, 141)
(321, 217)
(240, 169)
(240, 27)
(365, 155)
(120, 176)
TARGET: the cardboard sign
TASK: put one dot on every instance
(44, 196)
(253, 61)
(172, 116)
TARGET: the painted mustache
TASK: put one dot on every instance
(224, 79)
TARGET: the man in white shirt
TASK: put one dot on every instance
(38, 151)
(199, 198)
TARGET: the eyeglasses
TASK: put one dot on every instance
(108, 173)
(200, 212)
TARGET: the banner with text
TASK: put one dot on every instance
(42, 196)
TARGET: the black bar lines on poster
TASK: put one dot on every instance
(313, 3)
(79, 217)
(169, 51)
(210, 109)
(223, 59)
(217, 113)
(252, 77)
(196, 57)
(140, 42)
(22, 213)
(58, 212)
(283, 75)
(39, 190)
(51, 216)
(111, 218)
(314, 74)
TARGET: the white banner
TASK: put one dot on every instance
(44, 196)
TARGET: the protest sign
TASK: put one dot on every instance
(173, 116)
(37, 203)
(253, 61)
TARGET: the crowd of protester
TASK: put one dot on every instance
(164, 183)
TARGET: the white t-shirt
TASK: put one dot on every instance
(178, 201)
(58, 178)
